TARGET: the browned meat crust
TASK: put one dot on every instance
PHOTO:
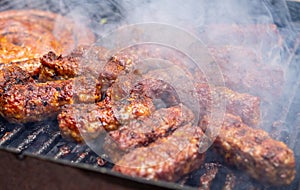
(167, 158)
(244, 105)
(90, 120)
(11, 75)
(55, 67)
(84, 61)
(31, 66)
(39, 101)
(86, 120)
(255, 152)
(145, 130)
(27, 34)
(139, 102)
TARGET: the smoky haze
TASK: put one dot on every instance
(254, 55)
(251, 51)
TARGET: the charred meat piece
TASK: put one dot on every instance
(253, 150)
(84, 61)
(55, 67)
(145, 130)
(110, 114)
(11, 75)
(244, 105)
(167, 158)
(88, 121)
(27, 34)
(31, 66)
(38, 101)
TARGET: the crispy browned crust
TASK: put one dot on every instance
(167, 158)
(11, 75)
(27, 34)
(254, 151)
(88, 121)
(38, 101)
(31, 66)
(244, 105)
(129, 105)
(145, 130)
(84, 61)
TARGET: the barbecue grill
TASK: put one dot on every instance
(35, 155)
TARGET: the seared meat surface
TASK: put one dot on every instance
(145, 130)
(38, 101)
(118, 108)
(11, 75)
(241, 104)
(167, 158)
(88, 121)
(84, 61)
(31, 66)
(254, 151)
(28, 34)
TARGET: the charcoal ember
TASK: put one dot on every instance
(230, 182)
(206, 180)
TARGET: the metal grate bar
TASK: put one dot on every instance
(49, 143)
(10, 135)
(29, 140)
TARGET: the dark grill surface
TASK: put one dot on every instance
(44, 139)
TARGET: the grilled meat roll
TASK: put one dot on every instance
(241, 104)
(139, 102)
(88, 121)
(145, 130)
(84, 61)
(27, 34)
(254, 151)
(167, 159)
(244, 105)
(38, 101)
